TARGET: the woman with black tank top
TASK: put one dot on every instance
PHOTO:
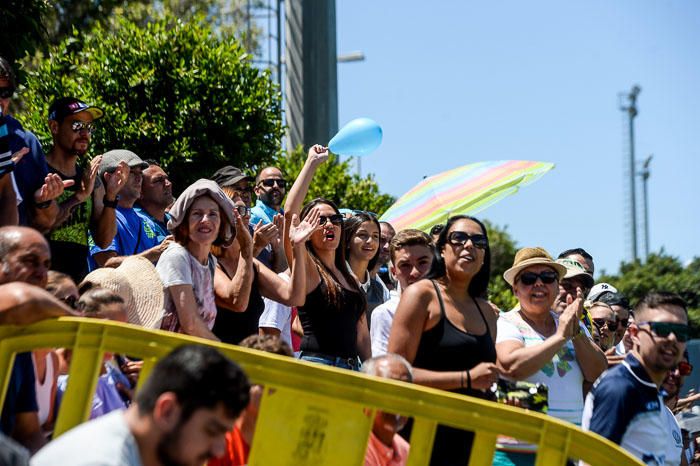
(457, 327)
(241, 281)
(333, 316)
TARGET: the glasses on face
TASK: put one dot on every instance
(243, 211)
(611, 324)
(78, 126)
(335, 219)
(270, 182)
(664, 329)
(624, 322)
(244, 189)
(6, 92)
(460, 238)
(685, 368)
(530, 278)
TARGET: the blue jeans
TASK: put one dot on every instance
(352, 364)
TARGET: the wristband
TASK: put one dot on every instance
(43, 205)
(110, 204)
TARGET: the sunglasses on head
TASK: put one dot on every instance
(78, 126)
(243, 211)
(460, 238)
(270, 182)
(611, 324)
(530, 278)
(6, 92)
(664, 329)
(335, 219)
(685, 368)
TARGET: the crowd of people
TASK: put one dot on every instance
(245, 260)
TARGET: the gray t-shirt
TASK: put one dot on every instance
(106, 441)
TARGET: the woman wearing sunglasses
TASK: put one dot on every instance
(333, 316)
(241, 281)
(537, 345)
(445, 327)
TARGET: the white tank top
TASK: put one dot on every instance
(43, 390)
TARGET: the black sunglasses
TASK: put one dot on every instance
(611, 324)
(460, 238)
(530, 278)
(242, 210)
(6, 92)
(335, 219)
(78, 126)
(664, 329)
(270, 182)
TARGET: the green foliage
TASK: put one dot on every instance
(661, 272)
(21, 27)
(171, 91)
(334, 181)
(503, 249)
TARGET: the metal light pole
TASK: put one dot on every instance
(645, 173)
(631, 110)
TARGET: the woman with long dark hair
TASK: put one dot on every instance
(445, 327)
(333, 316)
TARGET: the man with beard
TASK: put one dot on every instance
(90, 204)
(625, 405)
(270, 187)
(156, 198)
(180, 417)
(134, 234)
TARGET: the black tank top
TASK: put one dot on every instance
(329, 329)
(232, 327)
(447, 348)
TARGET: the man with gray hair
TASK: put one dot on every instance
(386, 447)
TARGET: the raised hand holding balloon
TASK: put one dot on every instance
(359, 137)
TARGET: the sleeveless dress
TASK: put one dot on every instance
(446, 348)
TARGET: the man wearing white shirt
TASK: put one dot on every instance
(412, 255)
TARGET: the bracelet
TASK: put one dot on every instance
(469, 380)
(112, 204)
(43, 205)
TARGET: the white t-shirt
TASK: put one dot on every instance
(381, 321)
(675, 441)
(277, 315)
(177, 266)
(562, 374)
(106, 441)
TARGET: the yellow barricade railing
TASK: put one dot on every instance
(309, 414)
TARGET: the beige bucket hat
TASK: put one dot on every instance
(531, 256)
(138, 284)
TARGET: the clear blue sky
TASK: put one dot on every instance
(455, 82)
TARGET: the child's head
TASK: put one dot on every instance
(102, 303)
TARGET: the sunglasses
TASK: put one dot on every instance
(270, 182)
(78, 126)
(611, 324)
(6, 92)
(243, 211)
(460, 238)
(624, 322)
(530, 278)
(685, 368)
(664, 329)
(335, 219)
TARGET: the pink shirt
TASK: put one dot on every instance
(379, 454)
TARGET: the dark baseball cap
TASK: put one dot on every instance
(61, 108)
(228, 176)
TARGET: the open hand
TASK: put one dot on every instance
(300, 232)
(243, 235)
(87, 184)
(569, 320)
(52, 188)
(116, 180)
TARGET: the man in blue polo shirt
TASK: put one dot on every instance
(625, 405)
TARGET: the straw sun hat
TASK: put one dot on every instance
(527, 257)
(138, 284)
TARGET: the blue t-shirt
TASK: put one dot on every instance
(625, 406)
(160, 229)
(134, 235)
(262, 211)
(21, 393)
(31, 170)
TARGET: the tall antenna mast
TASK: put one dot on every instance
(631, 108)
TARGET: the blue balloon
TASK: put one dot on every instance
(359, 137)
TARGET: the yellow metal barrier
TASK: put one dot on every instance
(309, 414)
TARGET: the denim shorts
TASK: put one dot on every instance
(352, 364)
